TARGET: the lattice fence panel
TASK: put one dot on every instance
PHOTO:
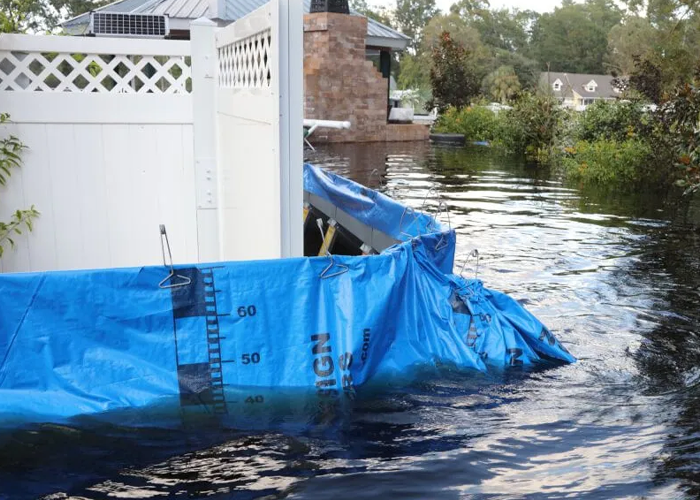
(246, 63)
(64, 72)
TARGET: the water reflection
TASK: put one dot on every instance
(616, 276)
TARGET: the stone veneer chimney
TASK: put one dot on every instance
(339, 82)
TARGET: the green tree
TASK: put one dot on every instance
(21, 16)
(502, 84)
(453, 81)
(381, 14)
(499, 28)
(415, 72)
(412, 16)
(415, 68)
(503, 37)
(526, 69)
(634, 38)
(460, 32)
(10, 158)
(574, 38)
(670, 41)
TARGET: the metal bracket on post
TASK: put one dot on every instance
(205, 182)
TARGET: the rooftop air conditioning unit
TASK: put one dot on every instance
(128, 25)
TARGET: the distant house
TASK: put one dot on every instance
(577, 90)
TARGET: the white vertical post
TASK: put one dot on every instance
(291, 88)
(204, 60)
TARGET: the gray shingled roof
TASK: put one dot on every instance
(378, 34)
(576, 82)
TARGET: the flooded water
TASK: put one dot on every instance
(615, 276)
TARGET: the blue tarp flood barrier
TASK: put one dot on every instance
(79, 343)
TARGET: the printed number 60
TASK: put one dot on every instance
(244, 311)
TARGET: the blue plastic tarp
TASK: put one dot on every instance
(88, 342)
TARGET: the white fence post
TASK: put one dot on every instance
(291, 57)
(204, 60)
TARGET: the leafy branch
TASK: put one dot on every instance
(20, 219)
(11, 149)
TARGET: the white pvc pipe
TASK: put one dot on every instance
(326, 124)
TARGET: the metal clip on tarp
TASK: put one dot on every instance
(473, 253)
(408, 210)
(184, 280)
(342, 267)
(442, 208)
(432, 189)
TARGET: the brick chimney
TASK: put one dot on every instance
(339, 82)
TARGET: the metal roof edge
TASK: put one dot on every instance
(382, 41)
(383, 26)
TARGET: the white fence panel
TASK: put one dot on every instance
(109, 130)
(126, 134)
(259, 122)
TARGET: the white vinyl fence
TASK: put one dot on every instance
(127, 134)
(258, 83)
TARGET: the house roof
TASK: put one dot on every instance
(181, 12)
(577, 82)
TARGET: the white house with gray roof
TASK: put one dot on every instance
(181, 12)
(578, 90)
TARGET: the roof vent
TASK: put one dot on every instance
(128, 25)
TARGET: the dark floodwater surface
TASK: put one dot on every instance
(617, 277)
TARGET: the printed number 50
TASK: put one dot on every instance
(250, 358)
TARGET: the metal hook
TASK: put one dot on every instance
(343, 268)
(369, 179)
(473, 253)
(441, 208)
(442, 242)
(163, 243)
(408, 210)
(433, 188)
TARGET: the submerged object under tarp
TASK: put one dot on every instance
(88, 342)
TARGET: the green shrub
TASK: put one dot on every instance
(509, 134)
(475, 122)
(611, 120)
(608, 161)
(679, 128)
(531, 128)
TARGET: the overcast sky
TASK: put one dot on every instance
(444, 5)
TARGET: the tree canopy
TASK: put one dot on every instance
(574, 38)
(22, 16)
